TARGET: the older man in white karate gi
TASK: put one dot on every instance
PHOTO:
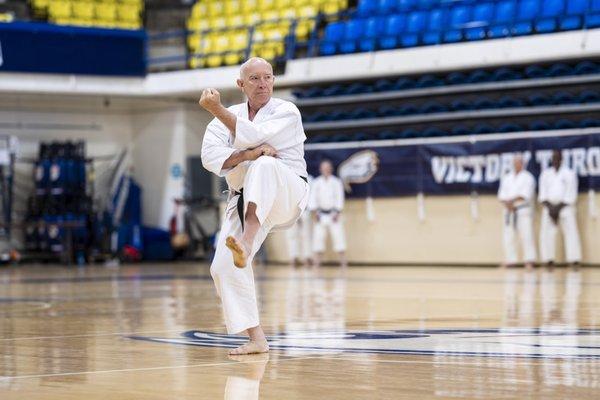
(259, 147)
(326, 203)
(558, 195)
(517, 194)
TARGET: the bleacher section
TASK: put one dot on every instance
(122, 14)
(388, 24)
(226, 32)
(507, 99)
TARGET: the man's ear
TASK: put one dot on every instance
(240, 84)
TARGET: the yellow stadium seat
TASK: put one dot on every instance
(128, 13)
(40, 5)
(199, 10)
(231, 7)
(196, 62)
(306, 21)
(83, 10)
(215, 9)
(266, 5)
(272, 15)
(128, 24)
(252, 19)
(135, 2)
(219, 44)
(287, 13)
(235, 21)
(6, 17)
(106, 14)
(217, 23)
(59, 12)
(283, 4)
(238, 42)
(198, 24)
(193, 42)
(249, 6)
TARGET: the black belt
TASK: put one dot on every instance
(240, 201)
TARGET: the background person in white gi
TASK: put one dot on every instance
(299, 238)
(517, 194)
(558, 195)
(259, 147)
(327, 203)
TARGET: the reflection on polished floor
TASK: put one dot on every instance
(155, 332)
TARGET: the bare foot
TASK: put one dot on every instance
(251, 348)
(240, 255)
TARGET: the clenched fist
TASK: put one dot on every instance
(262, 150)
(210, 100)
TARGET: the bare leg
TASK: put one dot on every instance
(257, 343)
(529, 266)
(241, 248)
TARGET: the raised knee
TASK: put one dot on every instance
(265, 161)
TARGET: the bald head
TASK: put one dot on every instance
(256, 82)
(250, 65)
(518, 162)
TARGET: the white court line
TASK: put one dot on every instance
(109, 371)
(457, 363)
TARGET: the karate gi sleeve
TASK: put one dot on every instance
(543, 188)
(570, 196)
(284, 121)
(216, 148)
(340, 196)
(503, 188)
(313, 204)
(526, 188)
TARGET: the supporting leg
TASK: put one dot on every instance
(257, 343)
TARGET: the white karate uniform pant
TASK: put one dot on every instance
(280, 197)
(335, 228)
(299, 240)
(567, 220)
(523, 230)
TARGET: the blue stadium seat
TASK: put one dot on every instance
(410, 134)
(563, 98)
(435, 25)
(551, 10)
(560, 69)
(456, 78)
(353, 30)
(588, 96)
(535, 71)
(404, 83)
(338, 115)
(537, 99)
(527, 12)
(482, 16)
(589, 123)
(510, 102)
(480, 129)
(504, 16)
(478, 76)
(592, 19)
(383, 85)
(415, 24)
(361, 113)
(539, 125)
(340, 138)
(459, 16)
(505, 74)
(406, 5)
(407, 109)
(433, 132)
(427, 4)
(388, 135)
(565, 124)
(366, 8)
(586, 68)
(358, 88)
(460, 130)
(393, 27)
(319, 139)
(334, 33)
(360, 136)
(386, 7)
(460, 105)
(333, 90)
(573, 19)
(432, 107)
(429, 81)
(509, 127)
(373, 29)
(387, 111)
(483, 103)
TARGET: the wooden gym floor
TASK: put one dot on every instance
(155, 332)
